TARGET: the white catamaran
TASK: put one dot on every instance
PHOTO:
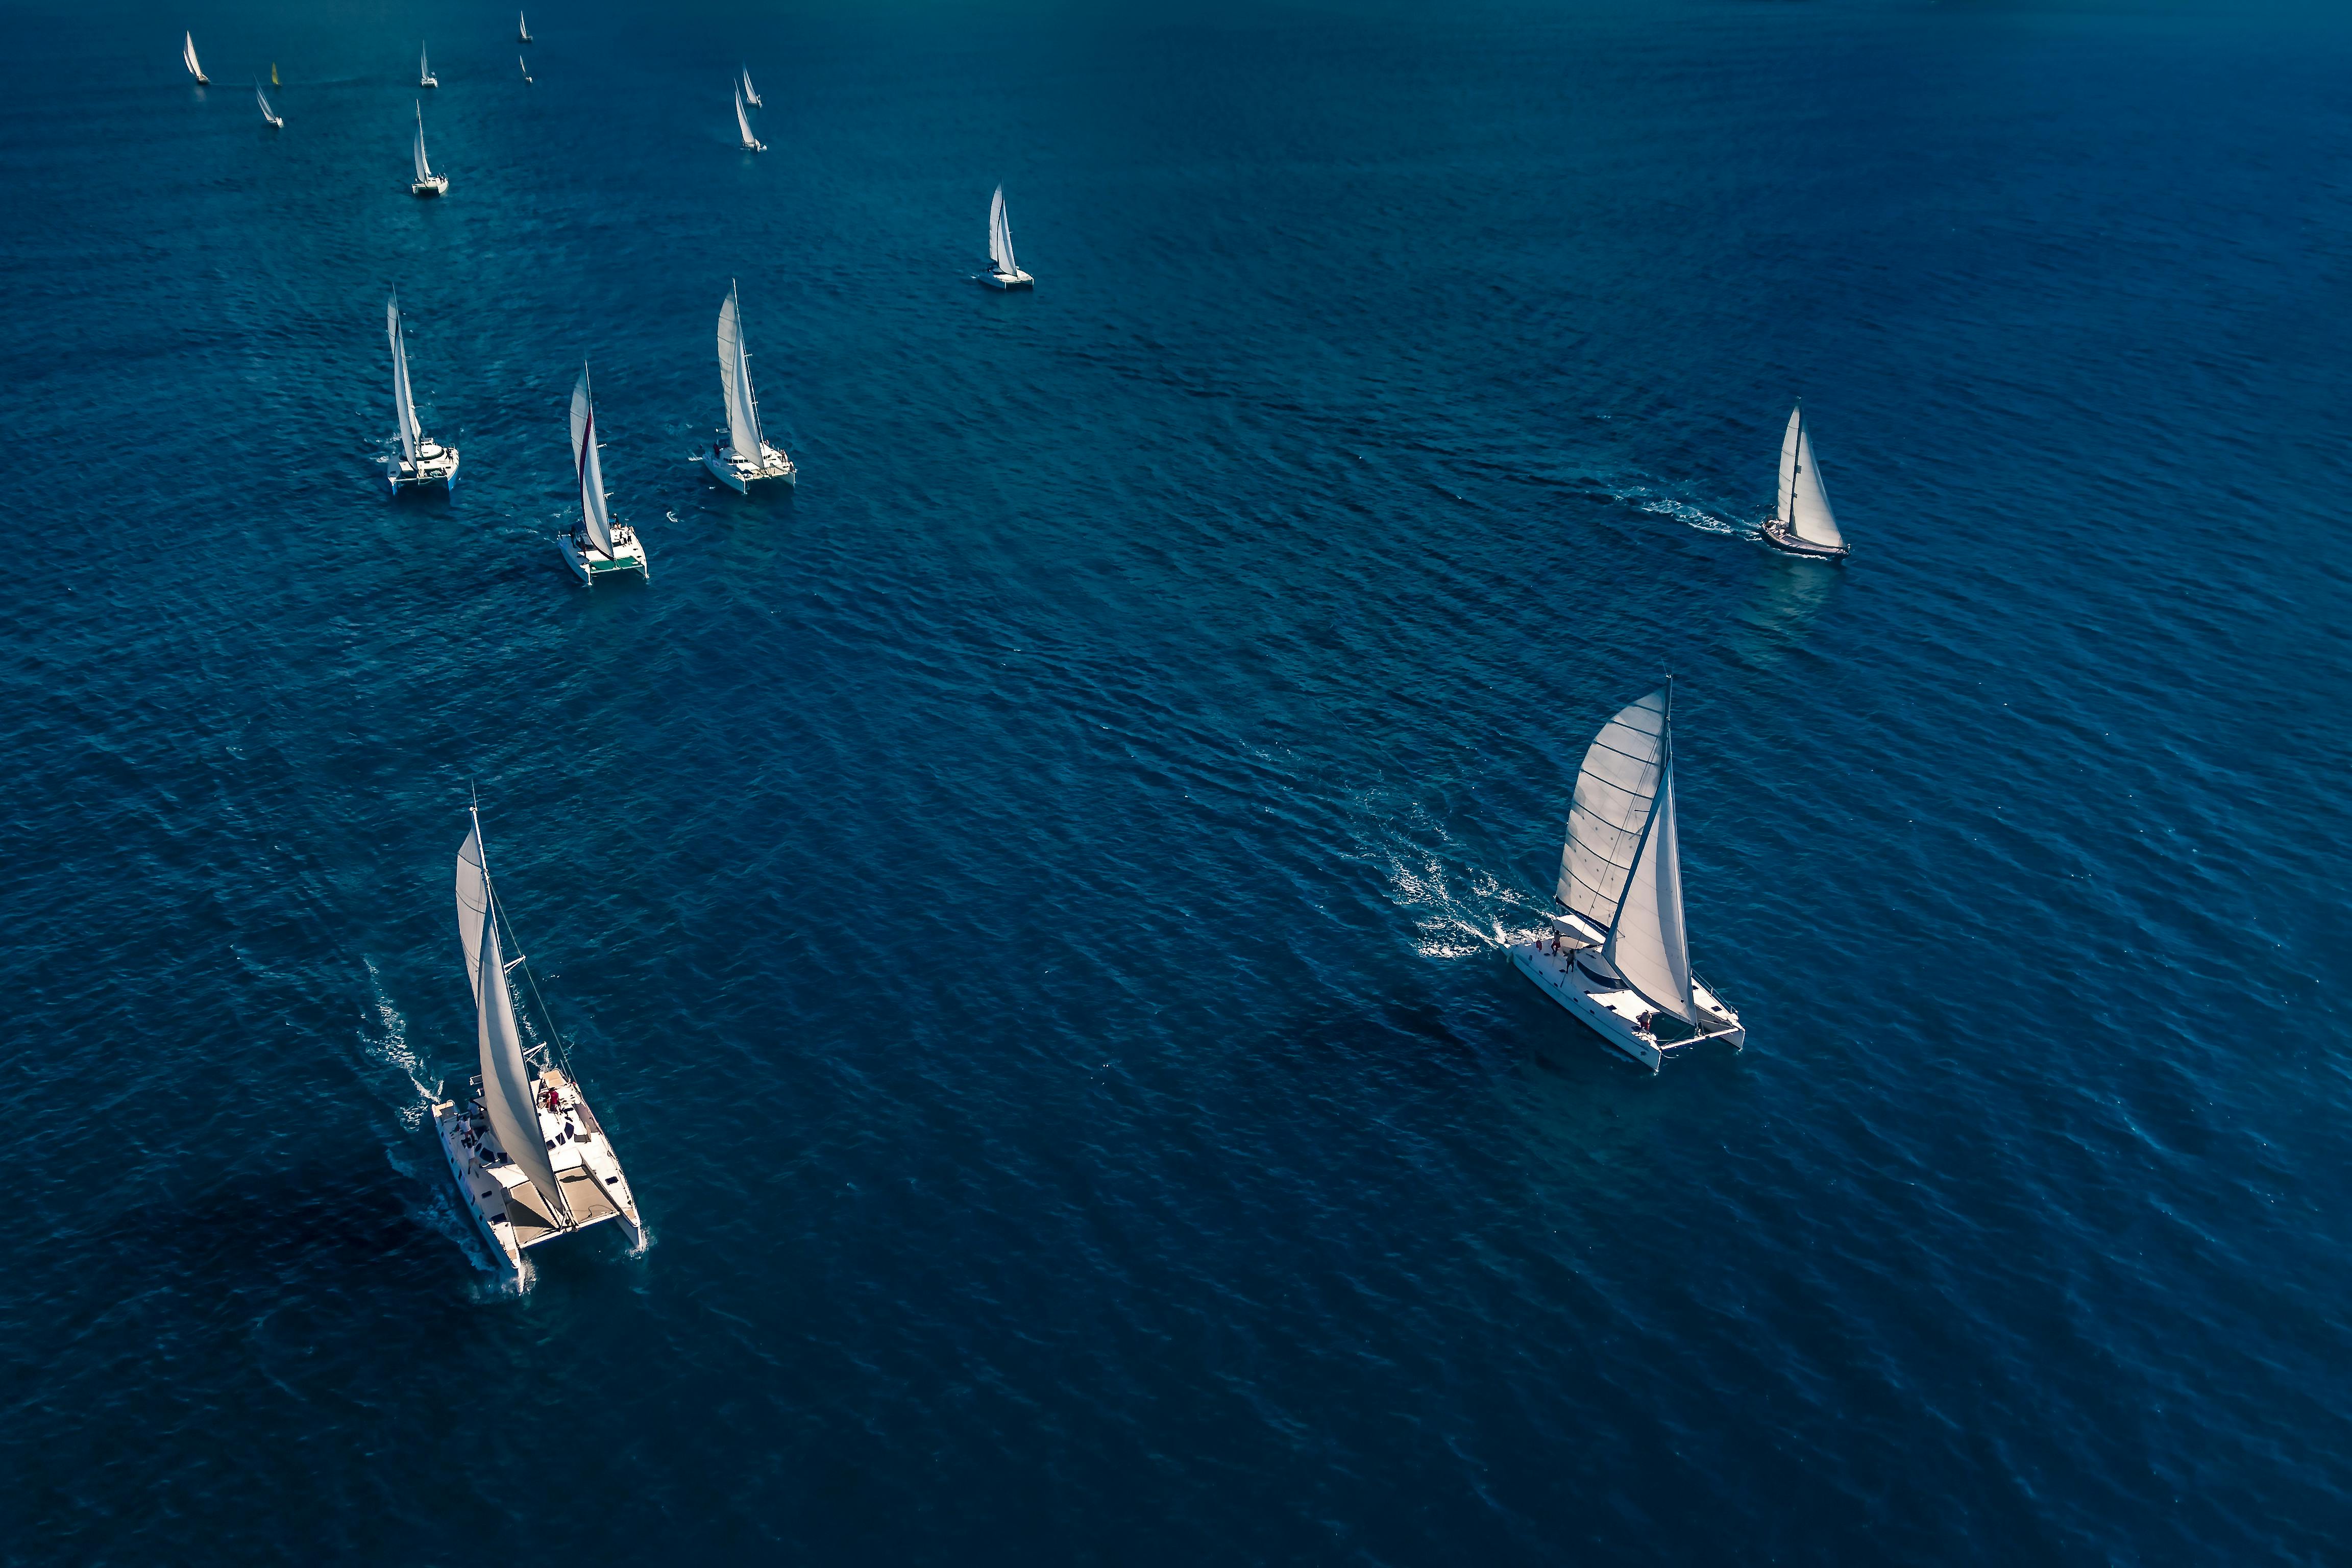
(428, 184)
(1616, 955)
(1802, 523)
(531, 1159)
(743, 124)
(422, 461)
(424, 76)
(269, 116)
(598, 547)
(741, 453)
(188, 58)
(750, 93)
(1003, 272)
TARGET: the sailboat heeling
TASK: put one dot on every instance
(735, 381)
(749, 91)
(590, 469)
(506, 1080)
(1647, 944)
(742, 123)
(1612, 807)
(403, 399)
(473, 905)
(188, 54)
(999, 236)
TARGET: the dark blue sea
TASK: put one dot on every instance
(1028, 905)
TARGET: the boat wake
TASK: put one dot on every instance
(1645, 499)
(388, 1043)
(1459, 913)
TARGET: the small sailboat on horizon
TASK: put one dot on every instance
(1801, 521)
(421, 460)
(751, 94)
(273, 75)
(1003, 271)
(597, 546)
(743, 123)
(188, 58)
(741, 454)
(424, 76)
(522, 28)
(1617, 955)
(531, 1159)
(269, 116)
(526, 69)
(427, 183)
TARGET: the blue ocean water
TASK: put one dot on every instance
(1028, 904)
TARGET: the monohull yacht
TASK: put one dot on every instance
(1801, 521)
(597, 547)
(522, 28)
(1003, 272)
(421, 460)
(741, 454)
(269, 116)
(428, 183)
(531, 1159)
(750, 93)
(744, 125)
(424, 76)
(188, 58)
(1616, 954)
(525, 69)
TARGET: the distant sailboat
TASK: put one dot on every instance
(428, 184)
(421, 460)
(529, 1158)
(741, 453)
(269, 116)
(1003, 272)
(1616, 957)
(188, 56)
(750, 95)
(522, 28)
(424, 76)
(598, 546)
(526, 69)
(1802, 523)
(742, 122)
(273, 75)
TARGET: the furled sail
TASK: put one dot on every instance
(1804, 504)
(735, 380)
(505, 1078)
(1000, 237)
(743, 123)
(188, 56)
(403, 401)
(424, 169)
(1615, 791)
(751, 94)
(1646, 945)
(584, 462)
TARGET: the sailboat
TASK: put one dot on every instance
(598, 547)
(273, 75)
(742, 122)
(522, 28)
(531, 1159)
(1003, 272)
(526, 69)
(1616, 955)
(269, 116)
(1802, 523)
(424, 76)
(188, 58)
(741, 454)
(751, 94)
(428, 184)
(422, 461)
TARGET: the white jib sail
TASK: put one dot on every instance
(592, 509)
(751, 94)
(506, 1080)
(1646, 945)
(1804, 503)
(1000, 237)
(1615, 789)
(188, 55)
(735, 380)
(424, 169)
(473, 905)
(522, 28)
(403, 400)
(743, 124)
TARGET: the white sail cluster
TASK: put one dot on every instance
(1804, 504)
(1621, 866)
(743, 123)
(594, 512)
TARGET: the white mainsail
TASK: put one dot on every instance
(1621, 866)
(735, 380)
(751, 94)
(522, 28)
(592, 509)
(743, 124)
(424, 169)
(267, 113)
(1000, 237)
(188, 56)
(1804, 504)
(473, 904)
(403, 400)
(423, 69)
(505, 1076)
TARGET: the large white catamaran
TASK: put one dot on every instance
(597, 547)
(1003, 272)
(421, 460)
(1616, 955)
(1801, 521)
(188, 58)
(428, 184)
(741, 454)
(530, 1161)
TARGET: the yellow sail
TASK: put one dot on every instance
(273, 73)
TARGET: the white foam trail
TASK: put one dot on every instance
(1682, 511)
(390, 1046)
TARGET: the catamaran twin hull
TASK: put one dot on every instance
(434, 466)
(509, 1211)
(738, 473)
(592, 565)
(1008, 279)
(1616, 1011)
(435, 185)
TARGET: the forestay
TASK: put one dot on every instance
(403, 401)
(735, 380)
(1000, 237)
(1804, 503)
(584, 463)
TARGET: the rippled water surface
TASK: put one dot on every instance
(1028, 905)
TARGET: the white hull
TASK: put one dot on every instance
(738, 473)
(628, 555)
(428, 81)
(1613, 1011)
(1008, 279)
(1780, 537)
(439, 185)
(500, 1199)
(440, 468)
